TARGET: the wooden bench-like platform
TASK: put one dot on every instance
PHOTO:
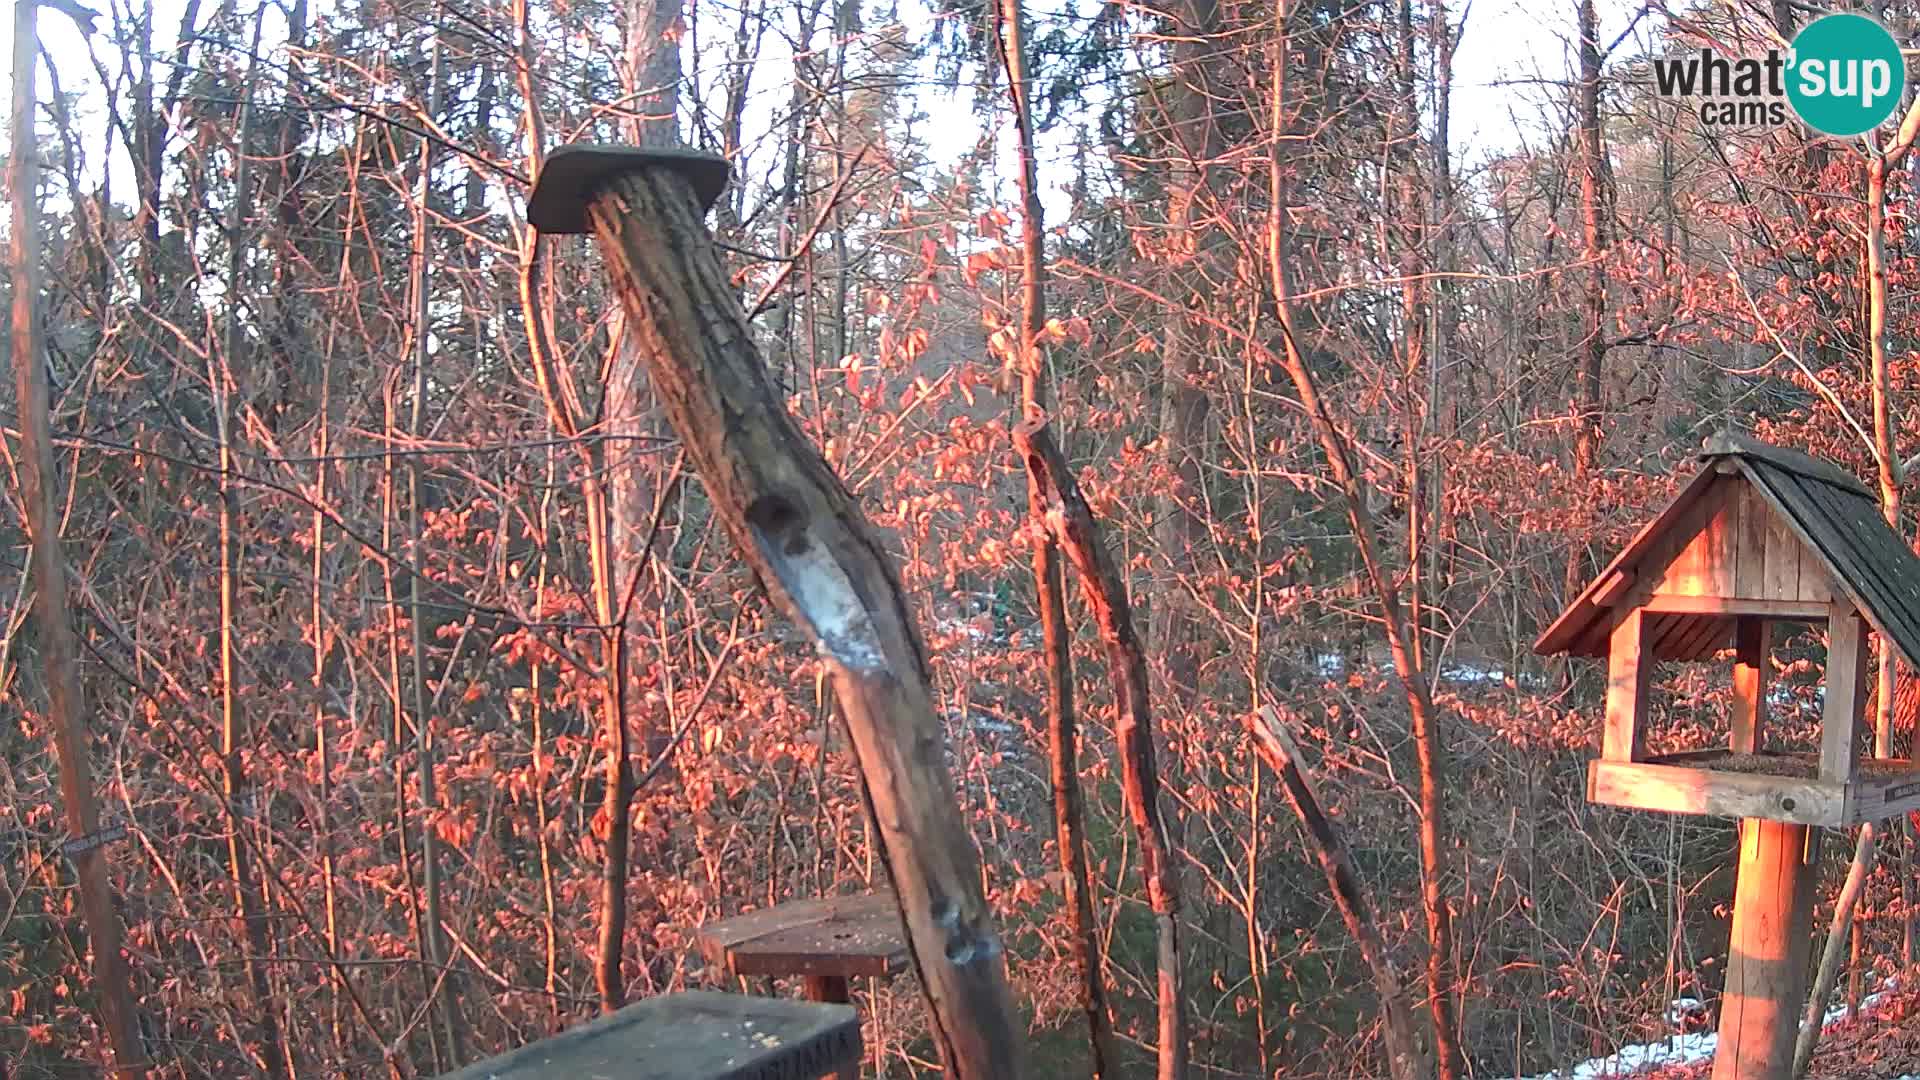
(828, 941)
(698, 1035)
(1777, 787)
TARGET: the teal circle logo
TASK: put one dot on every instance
(1845, 75)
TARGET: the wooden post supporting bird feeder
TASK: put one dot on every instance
(1760, 535)
(822, 563)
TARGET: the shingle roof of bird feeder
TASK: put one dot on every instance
(1825, 531)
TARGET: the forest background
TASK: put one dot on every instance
(371, 609)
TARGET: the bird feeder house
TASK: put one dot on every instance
(1759, 535)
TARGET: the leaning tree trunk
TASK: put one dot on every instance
(1078, 533)
(1429, 745)
(827, 570)
(1407, 1058)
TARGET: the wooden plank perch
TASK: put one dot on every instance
(1072, 523)
(834, 938)
(822, 564)
(696, 1035)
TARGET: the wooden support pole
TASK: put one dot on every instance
(1767, 957)
(1629, 674)
(1846, 690)
(822, 563)
(1749, 683)
(833, 990)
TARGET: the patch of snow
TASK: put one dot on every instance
(1473, 673)
(1684, 1009)
(1687, 1049)
(966, 628)
(1786, 699)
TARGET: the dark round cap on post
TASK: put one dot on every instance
(575, 173)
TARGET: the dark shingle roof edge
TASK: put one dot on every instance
(1734, 444)
(1831, 511)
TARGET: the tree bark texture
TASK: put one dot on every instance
(826, 569)
(59, 648)
(1083, 944)
(1593, 349)
(1196, 143)
(235, 731)
(1429, 746)
(1073, 525)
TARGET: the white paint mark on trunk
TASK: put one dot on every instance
(842, 629)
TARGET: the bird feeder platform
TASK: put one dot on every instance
(1760, 535)
(1777, 786)
(826, 941)
(696, 1035)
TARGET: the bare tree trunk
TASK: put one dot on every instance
(1440, 243)
(617, 803)
(1593, 353)
(234, 735)
(446, 1006)
(1194, 135)
(550, 937)
(1411, 215)
(650, 72)
(1835, 950)
(1069, 825)
(536, 308)
(323, 746)
(397, 706)
(1864, 851)
(1078, 534)
(1407, 1058)
(66, 709)
(1428, 744)
(652, 69)
(569, 420)
(615, 816)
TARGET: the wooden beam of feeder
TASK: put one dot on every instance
(1846, 693)
(825, 568)
(1613, 588)
(1768, 951)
